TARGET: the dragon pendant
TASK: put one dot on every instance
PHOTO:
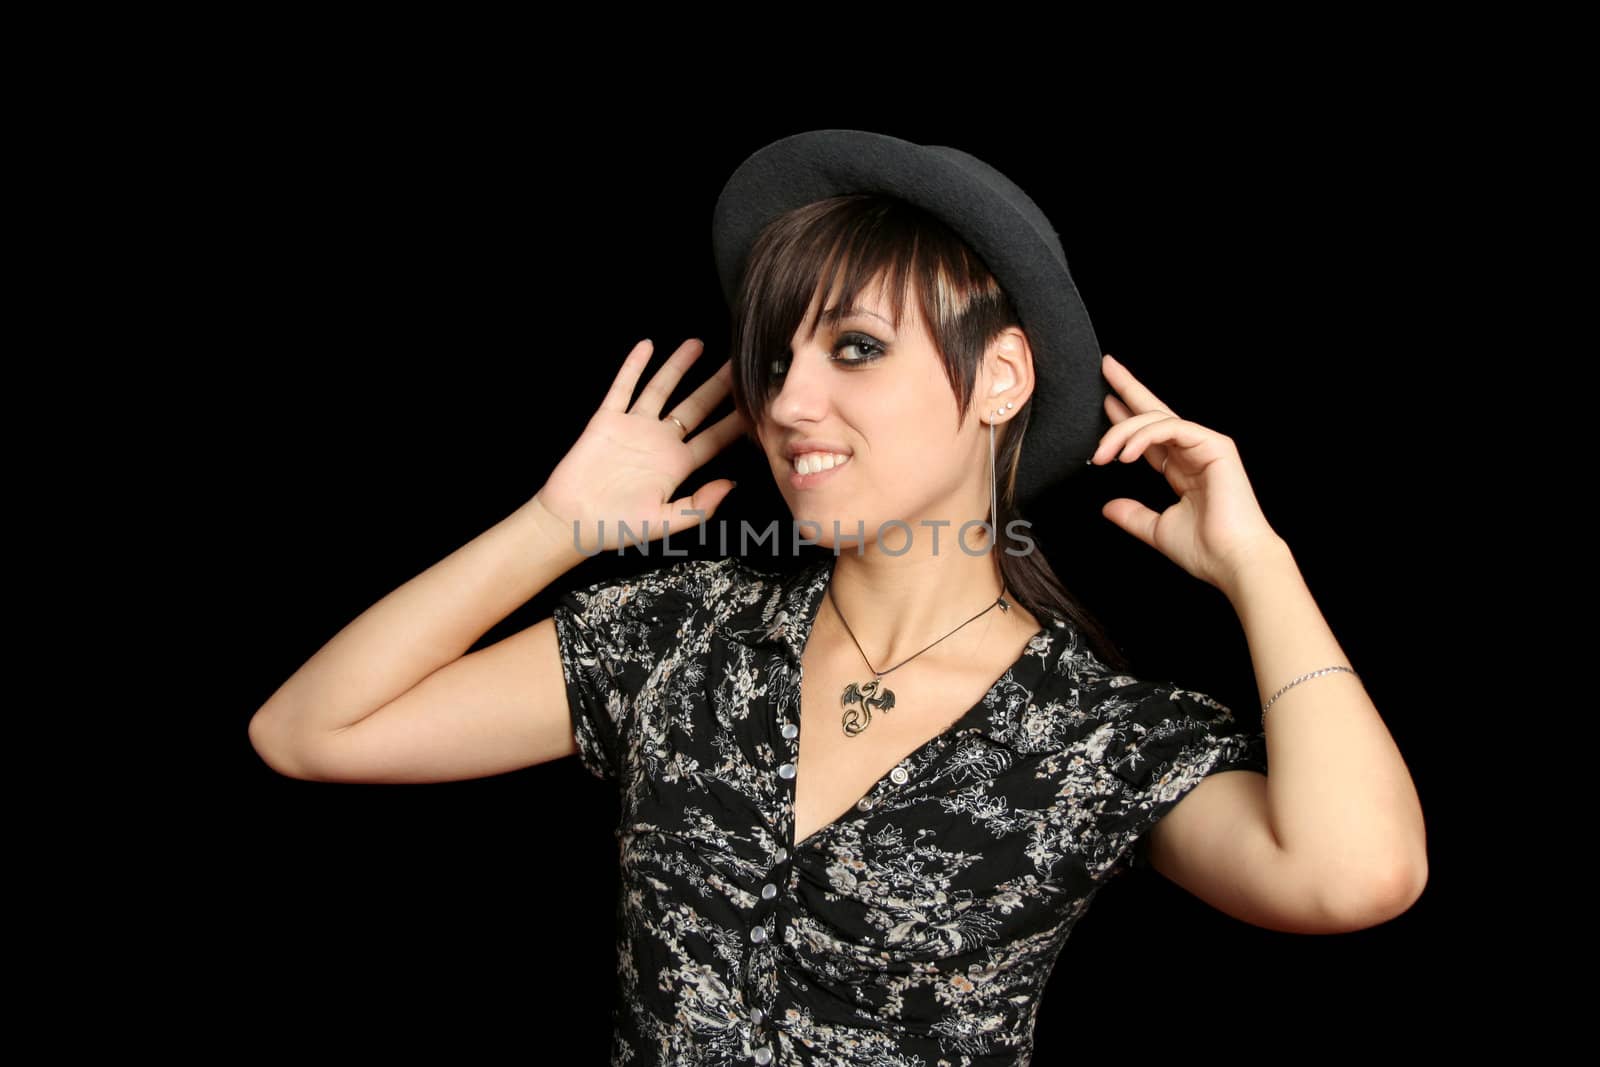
(858, 702)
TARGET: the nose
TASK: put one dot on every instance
(803, 394)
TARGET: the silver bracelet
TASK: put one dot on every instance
(1291, 685)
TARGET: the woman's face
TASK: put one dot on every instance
(879, 398)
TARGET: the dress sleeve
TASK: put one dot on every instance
(1161, 741)
(613, 636)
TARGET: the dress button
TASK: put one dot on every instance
(759, 934)
(898, 776)
(786, 771)
(781, 855)
(756, 1015)
(864, 804)
(769, 891)
(763, 1054)
(790, 730)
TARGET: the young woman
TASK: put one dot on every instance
(865, 802)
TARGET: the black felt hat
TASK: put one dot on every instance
(993, 215)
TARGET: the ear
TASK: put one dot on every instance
(1007, 374)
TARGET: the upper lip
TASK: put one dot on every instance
(795, 448)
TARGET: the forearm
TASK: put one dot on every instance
(1340, 798)
(430, 621)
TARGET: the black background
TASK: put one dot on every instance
(426, 293)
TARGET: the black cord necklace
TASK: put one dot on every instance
(859, 700)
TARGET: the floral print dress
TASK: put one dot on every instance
(919, 928)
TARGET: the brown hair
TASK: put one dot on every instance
(859, 237)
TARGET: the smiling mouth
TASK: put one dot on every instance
(812, 462)
(813, 468)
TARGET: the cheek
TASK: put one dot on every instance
(913, 442)
(923, 412)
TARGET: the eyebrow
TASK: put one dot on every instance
(834, 314)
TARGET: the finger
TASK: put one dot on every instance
(621, 390)
(1164, 431)
(716, 437)
(680, 513)
(1134, 392)
(667, 378)
(693, 411)
(1116, 410)
(1117, 438)
(1157, 454)
(1133, 517)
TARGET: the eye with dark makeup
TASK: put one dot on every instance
(871, 349)
(861, 341)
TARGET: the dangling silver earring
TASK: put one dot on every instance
(994, 495)
(994, 501)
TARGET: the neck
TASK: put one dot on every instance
(898, 605)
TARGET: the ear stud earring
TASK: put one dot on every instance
(997, 412)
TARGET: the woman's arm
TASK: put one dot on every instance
(1340, 798)
(420, 627)
(393, 697)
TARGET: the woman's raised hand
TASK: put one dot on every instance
(1215, 529)
(627, 463)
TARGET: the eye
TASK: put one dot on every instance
(871, 349)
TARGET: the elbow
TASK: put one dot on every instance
(1381, 898)
(274, 749)
(1407, 884)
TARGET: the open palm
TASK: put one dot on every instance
(628, 462)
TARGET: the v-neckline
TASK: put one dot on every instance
(912, 758)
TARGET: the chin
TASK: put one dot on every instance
(850, 526)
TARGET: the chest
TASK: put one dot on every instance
(888, 722)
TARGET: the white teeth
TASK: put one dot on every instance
(812, 462)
